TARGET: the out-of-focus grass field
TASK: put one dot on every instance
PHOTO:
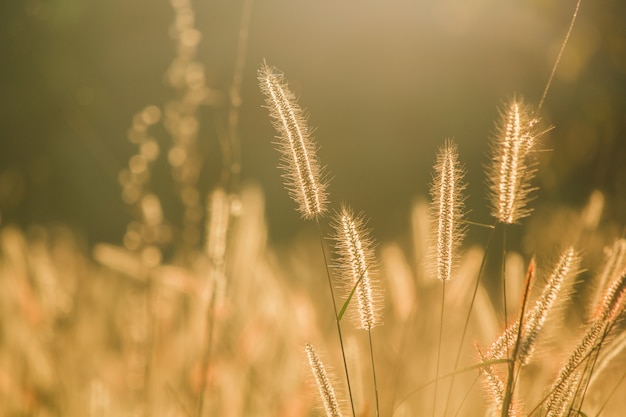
(116, 128)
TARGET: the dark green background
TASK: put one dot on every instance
(385, 82)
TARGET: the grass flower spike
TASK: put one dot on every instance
(557, 289)
(355, 250)
(302, 171)
(322, 380)
(447, 210)
(511, 168)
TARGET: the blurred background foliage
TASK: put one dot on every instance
(385, 83)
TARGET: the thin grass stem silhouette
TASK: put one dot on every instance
(178, 400)
(558, 59)
(469, 368)
(369, 333)
(487, 226)
(336, 316)
(590, 372)
(613, 391)
(466, 396)
(512, 377)
(483, 263)
(530, 274)
(356, 264)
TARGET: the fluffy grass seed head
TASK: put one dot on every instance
(512, 166)
(556, 290)
(356, 261)
(447, 211)
(323, 382)
(302, 171)
(563, 382)
(614, 268)
(494, 386)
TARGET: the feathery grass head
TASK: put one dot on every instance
(614, 268)
(322, 380)
(302, 171)
(557, 289)
(613, 300)
(512, 167)
(356, 263)
(561, 388)
(495, 388)
(447, 210)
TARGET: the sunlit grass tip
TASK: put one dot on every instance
(512, 163)
(323, 382)
(357, 262)
(302, 172)
(447, 211)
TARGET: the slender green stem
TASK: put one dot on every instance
(369, 332)
(332, 295)
(483, 263)
(443, 303)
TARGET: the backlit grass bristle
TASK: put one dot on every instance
(495, 387)
(302, 171)
(356, 261)
(447, 210)
(557, 288)
(563, 382)
(614, 268)
(535, 318)
(613, 299)
(512, 166)
(322, 380)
